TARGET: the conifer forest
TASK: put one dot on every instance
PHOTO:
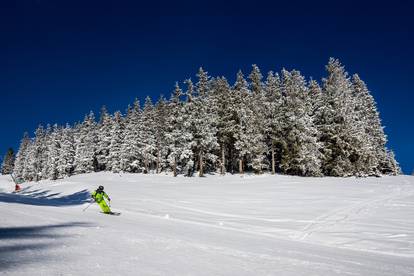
(280, 123)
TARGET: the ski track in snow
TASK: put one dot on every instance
(339, 215)
(210, 226)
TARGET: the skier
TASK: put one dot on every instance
(99, 196)
(17, 188)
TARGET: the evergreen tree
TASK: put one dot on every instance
(390, 165)
(161, 114)
(315, 100)
(27, 174)
(258, 121)
(175, 137)
(104, 137)
(54, 153)
(301, 154)
(8, 162)
(205, 125)
(187, 123)
(203, 84)
(244, 134)
(86, 146)
(117, 136)
(131, 158)
(21, 156)
(374, 156)
(36, 157)
(44, 157)
(148, 135)
(273, 116)
(222, 102)
(66, 164)
(340, 132)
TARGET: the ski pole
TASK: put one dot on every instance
(87, 206)
(14, 179)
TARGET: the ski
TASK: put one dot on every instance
(112, 213)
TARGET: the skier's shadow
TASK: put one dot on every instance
(17, 244)
(45, 198)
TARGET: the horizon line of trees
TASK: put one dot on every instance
(281, 124)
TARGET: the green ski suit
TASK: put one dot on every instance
(98, 196)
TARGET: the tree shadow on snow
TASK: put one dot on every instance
(43, 198)
(25, 245)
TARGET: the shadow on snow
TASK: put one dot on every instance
(43, 198)
(16, 251)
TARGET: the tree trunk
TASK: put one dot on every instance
(158, 161)
(223, 161)
(231, 160)
(241, 166)
(175, 167)
(273, 158)
(146, 165)
(201, 173)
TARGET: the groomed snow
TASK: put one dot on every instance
(232, 225)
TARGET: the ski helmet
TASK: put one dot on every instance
(101, 188)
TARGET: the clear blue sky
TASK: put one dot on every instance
(60, 59)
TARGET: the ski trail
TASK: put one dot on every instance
(339, 215)
(278, 238)
(221, 214)
(240, 221)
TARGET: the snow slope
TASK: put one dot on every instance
(232, 225)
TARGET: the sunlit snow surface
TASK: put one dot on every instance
(232, 225)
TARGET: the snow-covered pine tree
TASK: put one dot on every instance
(205, 125)
(222, 103)
(7, 165)
(315, 102)
(117, 137)
(54, 153)
(340, 132)
(187, 125)
(161, 114)
(148, 135)
(66, 165)
(104, 137)
(203, 84)
(131, 158)
(366, 161)
(391, 166)
(21, 156)
(273, 114)
(301, 155)
(310, 158)
(86, 145)
(258, 119)
(374, 157)
(27, 173)
(36, 161)
(244, 130)
(124, 155)
(45, 156)
(174, 135)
